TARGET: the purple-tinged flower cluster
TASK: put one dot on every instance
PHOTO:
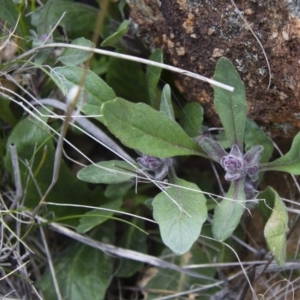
(149, 162)
(155, 167)
(234, 163)
(234, 167)
(238, 166)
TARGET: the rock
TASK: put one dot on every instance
(195, 33)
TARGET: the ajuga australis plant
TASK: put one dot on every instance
(109, 206)
(181, 210)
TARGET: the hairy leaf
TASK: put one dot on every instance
(136, 240)
(254, 135)
(153, 75)
(96, 217)
(112, 171)
(97, 90)
(192, 118)
(180, 229)
(82, 272)
(276, 226)
(9, 12)
(231, 106)
(253, 155)
(79, 17)
(290, 162)
(131, 85)
(228, 214)
(213, 149)
(166, 103)
(74, 57)
(114, 38)
(5, 110)
(142, 128)
(34, 144)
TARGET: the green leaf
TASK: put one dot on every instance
(79, 18)
(276, 226)
(43, 55)
(34, 145)
(136, 240)
(116, 191)
(114, 39)
(73, 57)
(112, 171)
(9, 12)
(142, 128)
(99, 66)
(96, 217)
(153, 75)
(121, 6)
(82, 272)
(290, 162)
(179, 229)
(222, 140)
(192, 119)
(5, 111)
(229, 212)
(97, 90)
(166, 103)
(231, 106)
(212, 148)
(266, 203)
(127, 79)
(254, 135)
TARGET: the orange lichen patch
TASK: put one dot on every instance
(175, 62)
(285, 33)
(170, 44)
(180, 51)
(211, 31)
(189, 23)
(204, 97)
(274, 31)
(180, 87)
(182, 4)
(249, 11)
(218, 52)
(167, 42)
(295, 27)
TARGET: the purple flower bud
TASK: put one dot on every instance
(253, 172)
(234, 167)
(149, 162)
(253, 156)
(235, 151)
(155, 167)
(43, 37)
(232, 163)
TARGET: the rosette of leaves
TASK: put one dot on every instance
(179, 211)
(242, 169)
